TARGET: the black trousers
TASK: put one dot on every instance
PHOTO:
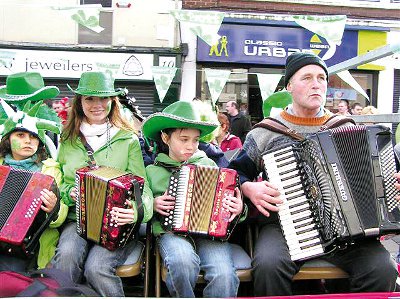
(369, 265)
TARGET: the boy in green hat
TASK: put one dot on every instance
(177, 131)
(22, 147)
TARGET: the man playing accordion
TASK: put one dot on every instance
(369, 265)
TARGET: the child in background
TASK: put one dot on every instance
(61, 108)
(207, 113)
(23, 147)
(226, 140)
(177, 131)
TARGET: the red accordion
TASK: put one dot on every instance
(98, 191)
(22, 221)
(198, 192)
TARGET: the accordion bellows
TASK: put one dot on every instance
(198, 192)
(22, 221)
(98, 191)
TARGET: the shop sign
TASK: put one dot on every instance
(71, 64)
(271, 45)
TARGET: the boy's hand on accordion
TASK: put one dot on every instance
(49, 200)
(72, 193)
(123, 216)
(263, 195)
(164, 203)
(233, 204)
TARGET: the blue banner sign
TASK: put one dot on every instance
(270, 45)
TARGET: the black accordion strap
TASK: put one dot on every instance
(167, 166)
(89, 149)
(139, 205)
(335, 121)
(275, 125)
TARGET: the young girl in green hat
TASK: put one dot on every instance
(23, 147)
(177, 131)
(95, 118)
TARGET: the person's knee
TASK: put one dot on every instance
(181, 264)
(385, 271)
(93, 271)
(224, 276)
(263, 261)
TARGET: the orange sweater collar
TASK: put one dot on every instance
(306, 121)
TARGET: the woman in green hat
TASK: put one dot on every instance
(177, 131)
(22, 147)
(95, 120)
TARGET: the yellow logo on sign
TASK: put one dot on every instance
(220, 47)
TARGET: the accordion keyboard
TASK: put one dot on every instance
(180, 199)
(297, 222)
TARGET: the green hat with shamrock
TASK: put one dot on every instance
(27, 120)
(26, 86)
(180, 114)
(96, 84)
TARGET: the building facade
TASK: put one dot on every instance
(51, 37)
(258, 35)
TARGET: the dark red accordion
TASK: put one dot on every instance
(22, 221)
(198, 192)
(98, 191)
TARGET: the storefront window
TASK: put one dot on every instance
(339, 90)
(243, 87)
(235, 89)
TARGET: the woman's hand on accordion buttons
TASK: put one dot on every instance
(164, 203)
(233, 204)
(49, 200)
(264, 196)
(397, 184)
(123, 216)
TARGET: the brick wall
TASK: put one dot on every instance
(292, 8)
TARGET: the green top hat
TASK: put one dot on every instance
(279, 99)
(21, 87)
(96, 84)
(180, 114)
(27, 120)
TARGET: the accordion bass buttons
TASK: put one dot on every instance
(32, 207)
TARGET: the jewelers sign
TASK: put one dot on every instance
(71, 64)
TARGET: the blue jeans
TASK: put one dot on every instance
(80, 258)
(185, 257)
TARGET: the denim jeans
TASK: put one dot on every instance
(80, 258)
(185, 257)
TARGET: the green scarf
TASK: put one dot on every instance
(27, 164)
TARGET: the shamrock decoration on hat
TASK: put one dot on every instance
(96, 84)
(26, 120)
(21, 87)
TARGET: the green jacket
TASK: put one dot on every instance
(159, 178)
(49, 238)
(124, 153)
